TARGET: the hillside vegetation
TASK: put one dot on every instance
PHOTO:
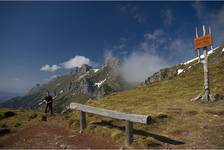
(12, 119)
(177, 121)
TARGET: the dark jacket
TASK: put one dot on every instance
(49, 99)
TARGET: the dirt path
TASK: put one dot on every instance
(53, 133)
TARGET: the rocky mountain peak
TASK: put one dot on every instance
(113, 63)
(80, 70)
(84, 68)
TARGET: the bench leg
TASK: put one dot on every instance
(82, 121)
(129, 132)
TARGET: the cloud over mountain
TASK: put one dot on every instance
(49, 68)
(76, 61)
(140, 65)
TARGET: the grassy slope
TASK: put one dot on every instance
(196, 124)
(19, 118)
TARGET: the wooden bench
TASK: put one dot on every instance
(129, 118)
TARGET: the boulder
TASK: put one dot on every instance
(162, 74)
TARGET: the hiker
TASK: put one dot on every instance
(49, 101)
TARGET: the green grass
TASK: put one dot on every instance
(14, 118)
(196, 124)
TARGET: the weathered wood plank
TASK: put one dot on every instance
(112, 114)
(129, 132)
(206, 71)
(82, 121)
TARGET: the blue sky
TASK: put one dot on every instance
(35, 35)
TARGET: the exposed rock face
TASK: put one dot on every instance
(162, 74)
(74, 71)
(86, 87)
(80, 85)
(78, 71)
(84, 69)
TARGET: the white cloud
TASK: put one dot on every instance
(134, 11)
(50, 68)
(76, 61)
(139, 18)
(144, 60)
(120, 48)
(149, 57)
(139, 66)
(181, 48)
(159, 42)
(168, 17)
(152, 41)
(54, 76)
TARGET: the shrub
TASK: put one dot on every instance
(9, 114)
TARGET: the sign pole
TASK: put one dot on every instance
(198, 49)
(210, 32)
(203, 42)
(206, 71)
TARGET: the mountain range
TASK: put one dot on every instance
(86, 83)
(7, 95)
(80, 85)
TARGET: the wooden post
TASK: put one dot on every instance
(129, 132)
(198, 53)
(129, 118)
(206, 72)
(82, 121)
(210, 32)
(198, 50)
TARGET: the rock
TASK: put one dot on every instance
(84, 68)
(212, 98)
(74, 71)
(86, 87)
(218, 96)
(4, 131)
(78, 71)
(162, 74)
(63, 146)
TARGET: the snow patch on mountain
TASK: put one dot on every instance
(98, 84)
(179, 71)
(83, 75)
(61, 91)
(201, 56)
(96, 70)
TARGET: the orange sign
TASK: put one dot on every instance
(203, 41)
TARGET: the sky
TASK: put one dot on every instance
(42, 40)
